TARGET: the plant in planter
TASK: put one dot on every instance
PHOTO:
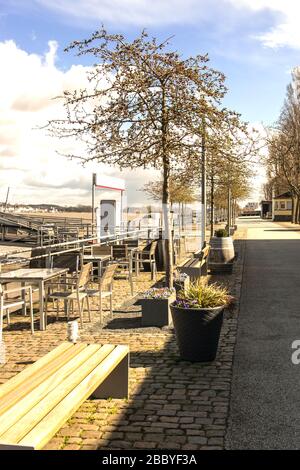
(197, 318)
(156, 306)
(221, 232)
(181, 281)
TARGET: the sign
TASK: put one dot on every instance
(110, 182)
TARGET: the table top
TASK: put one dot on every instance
(32, 274)
(96, 257)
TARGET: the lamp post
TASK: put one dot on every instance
(94, 183)
(229, 209)
(203, 186)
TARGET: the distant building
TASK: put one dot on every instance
(266, 209)
(251, 209)
(282, 207)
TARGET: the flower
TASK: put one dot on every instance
(158, 293)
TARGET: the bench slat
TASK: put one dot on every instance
(13, 416)
(183, 263)
(40, 411)
(29, 371)
(33, 381)
(54, 420)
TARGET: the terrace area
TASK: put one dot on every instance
(172, 403)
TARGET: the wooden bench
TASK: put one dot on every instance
(36, 403)
(196, 266)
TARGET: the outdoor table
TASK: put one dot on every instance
(97, 259)
(35, 276)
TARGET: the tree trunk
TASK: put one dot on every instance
(293, 209)
(167, 222)
(212, 205)
(297, 210)
(168, 236)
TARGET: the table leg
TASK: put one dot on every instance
(41, 302)
(24, 299)
(65, 301)
(135, 267)
(130, 274)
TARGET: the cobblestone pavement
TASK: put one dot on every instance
(173, 404)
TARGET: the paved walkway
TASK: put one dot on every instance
(265, 398)
(173, 404)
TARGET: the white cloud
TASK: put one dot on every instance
(286, 32)
(28, 159)
(137, 12)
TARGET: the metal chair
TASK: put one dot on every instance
(122, 256)
(105, 288)
(74, 291)
(7, 304)
(147, 257)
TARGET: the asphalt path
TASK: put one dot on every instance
(265, 395)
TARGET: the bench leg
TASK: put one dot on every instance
(204, 269)
(14, 447)
(116, 384)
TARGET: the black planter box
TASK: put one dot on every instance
(156, 312)
(197, 332)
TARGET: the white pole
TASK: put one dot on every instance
(203, 188)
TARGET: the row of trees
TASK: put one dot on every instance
(283, 161)
(149, 107)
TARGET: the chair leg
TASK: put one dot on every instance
(68, 308)
(31, 313)
(57, 308)
(46, 305)
(80, 312)
(110, 303)
(8, 316)
(100, 307)
(1, 323)
(130, 282)
(88, 308)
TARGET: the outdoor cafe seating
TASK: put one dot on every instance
(7, 303)
(71, 293)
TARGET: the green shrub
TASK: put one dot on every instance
(203, 296)
(221, 232)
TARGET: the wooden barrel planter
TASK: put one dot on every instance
(221, 255)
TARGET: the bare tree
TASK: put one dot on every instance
(144, 109)
(283, 162)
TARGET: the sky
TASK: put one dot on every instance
(256, 43)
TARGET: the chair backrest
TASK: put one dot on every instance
(102, 250)
(120, 251)
(38, 263)
(132, 243)
(108, 276)
(67, 260)
(84, 275)
(153, 248)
